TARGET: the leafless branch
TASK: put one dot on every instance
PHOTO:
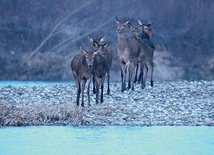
(55, 28)
(67, 41)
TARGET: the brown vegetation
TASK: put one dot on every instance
(40, 114)
(31, 29)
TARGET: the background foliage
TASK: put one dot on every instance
(39, 38)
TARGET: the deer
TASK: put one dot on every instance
(126, 54)
(138, 46)
(109, 57)
(100, 69)
(147, 50)
(82, 67)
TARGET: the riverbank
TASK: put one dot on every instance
(180, 103)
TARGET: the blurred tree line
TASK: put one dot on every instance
(39, 38)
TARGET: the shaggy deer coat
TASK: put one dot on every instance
(127, 55)
(96, 43)
(82, 67)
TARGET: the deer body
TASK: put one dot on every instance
(149, 50)
(96, 43)
(138, 48)
(100, 69)
(81, 66)
(127, 55)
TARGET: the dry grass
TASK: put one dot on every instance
(40, 114)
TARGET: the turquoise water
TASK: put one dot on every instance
(54, 140)
(122, 140)
(29, 83)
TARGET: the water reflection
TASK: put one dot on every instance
(107, 140)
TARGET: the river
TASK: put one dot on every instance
(107, 140)
(155, 140)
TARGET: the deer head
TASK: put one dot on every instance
(89, 56)
(147, 28)
(98, 41)
(101, 48)
(136, 32)
(121, 25)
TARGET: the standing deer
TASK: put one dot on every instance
(81, 66)
(138, 46)
(148, 47)
(147, 51)
(127, 55)
(100, 69)
(109, 57)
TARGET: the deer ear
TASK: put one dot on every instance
(106, 44)
(96, 51)
(141, 23)
(127, 21)
(102, 38)
(95, 44)
(82, 50)
(149, 24)
(90, 39)
(130, 26)
(118, 21)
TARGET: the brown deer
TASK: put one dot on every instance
(109, 57)
(127, 55)
(138, 47)
(100, 69)
(149, 49)
(82, 66)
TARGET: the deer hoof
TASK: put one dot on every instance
(108, 92)
(152, 84)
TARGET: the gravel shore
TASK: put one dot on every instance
(180, 103)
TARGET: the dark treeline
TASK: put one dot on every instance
(39, 38)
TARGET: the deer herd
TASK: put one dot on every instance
(133, 54)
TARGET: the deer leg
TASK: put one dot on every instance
(135, 80)
(132, 70)
(78, 88)
(140, 74)
(78, 92)
(122, 77)
(94, 90)
(88, 91)
(97, 80)
(127, 70)
(102, 87)
(108, 89)
(144, 78)
(130, 77)
(152, 66)
(83, 87)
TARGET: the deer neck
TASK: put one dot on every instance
(144, 36)
(122, 39)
